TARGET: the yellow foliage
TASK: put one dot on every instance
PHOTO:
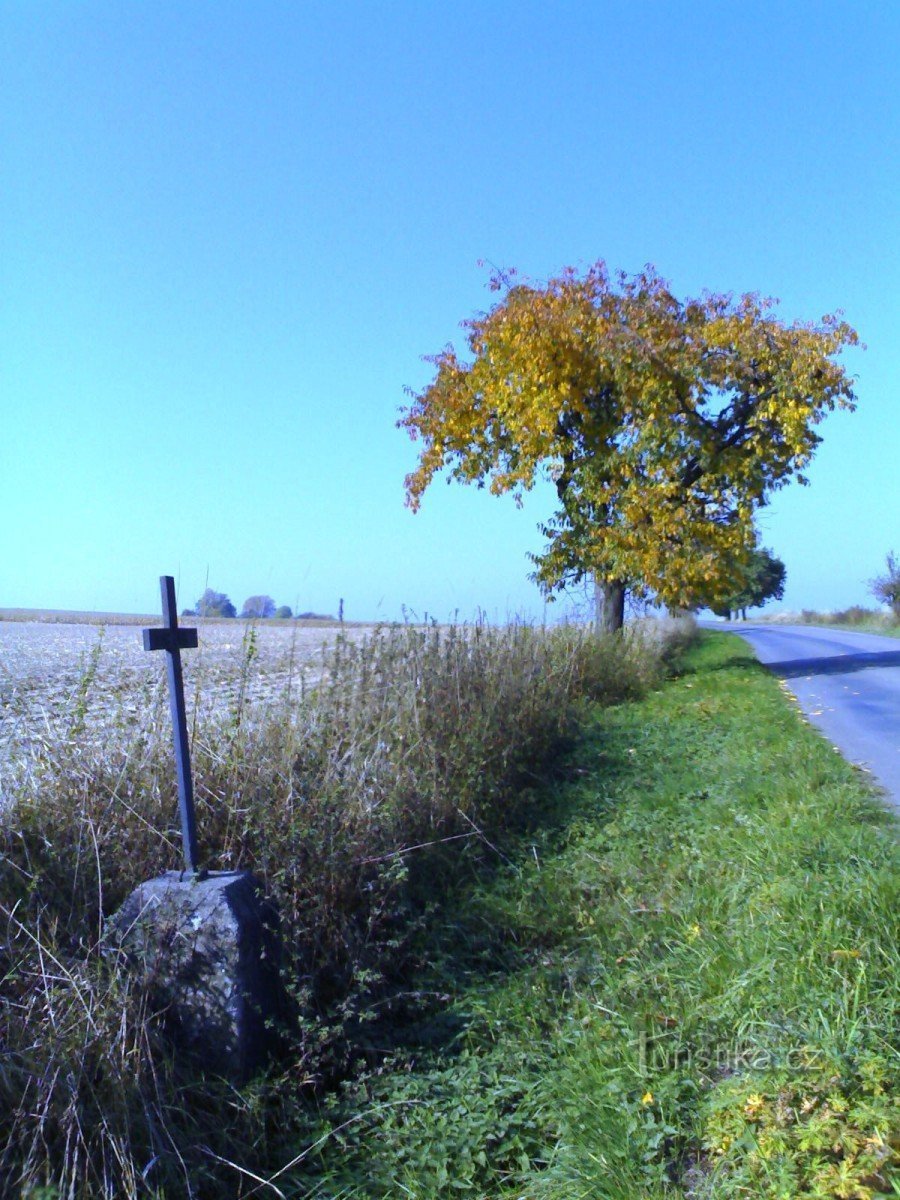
(664, 424)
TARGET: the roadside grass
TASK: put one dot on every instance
(682, 982)
(866, 620)
(363, 804)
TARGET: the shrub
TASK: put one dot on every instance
(854, 615)
(886, 588)
(866, 618)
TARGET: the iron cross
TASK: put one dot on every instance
(173, 640)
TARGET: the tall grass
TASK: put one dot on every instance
(353, 802)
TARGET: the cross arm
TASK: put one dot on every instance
(170, 639)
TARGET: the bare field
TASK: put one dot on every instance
(85, 681)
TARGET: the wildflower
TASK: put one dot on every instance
(647, 1098)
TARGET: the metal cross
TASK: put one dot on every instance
(173, 640)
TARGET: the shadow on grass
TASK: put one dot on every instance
(740, 658)
(455, 949)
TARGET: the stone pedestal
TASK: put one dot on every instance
(208, 949)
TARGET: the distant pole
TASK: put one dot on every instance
(341, 610)
(173, 640)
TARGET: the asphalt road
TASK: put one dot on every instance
(846, 683)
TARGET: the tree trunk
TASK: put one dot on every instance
(609, 601)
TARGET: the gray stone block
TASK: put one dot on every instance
(208, 950)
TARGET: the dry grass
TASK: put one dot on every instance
(354, 801)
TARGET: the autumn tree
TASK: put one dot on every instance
(663, 423)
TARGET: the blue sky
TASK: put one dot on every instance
(230, 231)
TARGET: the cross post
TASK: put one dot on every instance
(173, 640)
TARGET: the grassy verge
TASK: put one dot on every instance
(362, 805)
(685, 986)
(864, 620)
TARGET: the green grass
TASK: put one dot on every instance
(684, 985)
(649, 950)
(361, 805)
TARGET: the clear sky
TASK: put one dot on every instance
(230, 231)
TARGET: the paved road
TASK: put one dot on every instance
(847, 683)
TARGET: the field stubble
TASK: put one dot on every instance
(90, 682)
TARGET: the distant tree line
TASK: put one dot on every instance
(217, 604)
